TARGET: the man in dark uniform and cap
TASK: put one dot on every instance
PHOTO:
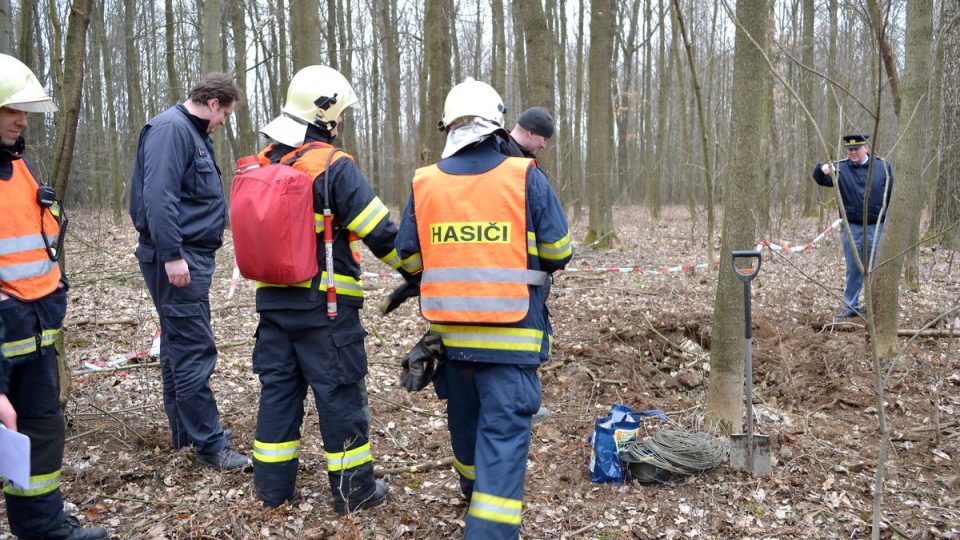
(534, 128)
(860, 175)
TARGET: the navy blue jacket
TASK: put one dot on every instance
(853, 184)
(176, 198)
(546, 219)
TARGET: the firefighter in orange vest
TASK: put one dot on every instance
(488, 230)
(33, 302)
(301, 344)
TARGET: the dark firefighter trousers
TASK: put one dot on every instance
(37, 509)
(188, 353)
(297, 349)
(489, 412)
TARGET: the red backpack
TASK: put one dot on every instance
(272, 217)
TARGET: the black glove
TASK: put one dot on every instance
(420, 362)
(408, 289)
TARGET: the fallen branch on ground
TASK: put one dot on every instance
(420, 467)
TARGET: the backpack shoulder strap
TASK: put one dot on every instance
(301, 151)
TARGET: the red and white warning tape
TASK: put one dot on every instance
(122, 359)
(683, 268)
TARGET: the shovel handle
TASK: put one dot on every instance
(746, 273)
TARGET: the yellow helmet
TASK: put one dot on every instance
(317, 95)
(473, 98)
(20, 89)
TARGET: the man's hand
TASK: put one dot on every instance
(177, 272)
(7, 415)
(408, 289)
(826, 169)
(420, 363)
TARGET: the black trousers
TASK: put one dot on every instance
(31, 328)
(300, 349)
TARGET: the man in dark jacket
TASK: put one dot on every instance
(859, 177)
(177, 206)
(532, 133)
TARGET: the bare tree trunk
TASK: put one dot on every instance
(114, 178)
(833, 104)
(6, 28)
(498, 54)
(654, 202)
(211, 56)
(879, 21)
(173, 81)
(626, 182)
(132, 77)
(806, 89)
(71, 100)
(521, 84)
(704, 132)
(907, 199)
(285, 69)
(945, 215)
(725, 392)
(26, 45)
(307, 43)
(603, 17)
(538, 43)
(579, 185)
(563, 147)
(434, 79)
(391, 70)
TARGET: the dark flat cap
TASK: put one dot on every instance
(537, 120)
(855, 140)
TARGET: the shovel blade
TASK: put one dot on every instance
(740, 456)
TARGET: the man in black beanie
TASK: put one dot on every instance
(534, 128)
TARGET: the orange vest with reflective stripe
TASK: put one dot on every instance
(26, 271)
(473, 240)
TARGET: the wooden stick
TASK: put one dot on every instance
(930, 332)
(420, 467)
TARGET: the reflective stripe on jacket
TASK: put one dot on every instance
(473, 241)
(26, 270)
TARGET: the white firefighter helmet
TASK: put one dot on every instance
(317, 95)
(472, 98)
(20, 89)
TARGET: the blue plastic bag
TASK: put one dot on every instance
(610, 434)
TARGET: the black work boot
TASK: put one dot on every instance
(225, 459)
(376, 498)
(71, 530)
(292, 498)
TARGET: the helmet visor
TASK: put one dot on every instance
(40, 106)
(286, 130)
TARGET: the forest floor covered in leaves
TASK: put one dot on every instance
(617, 337)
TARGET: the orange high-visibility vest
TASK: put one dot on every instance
(473, 240)
(26, 271)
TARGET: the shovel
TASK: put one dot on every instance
(748, 452)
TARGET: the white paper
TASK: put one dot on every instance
(14, 456)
